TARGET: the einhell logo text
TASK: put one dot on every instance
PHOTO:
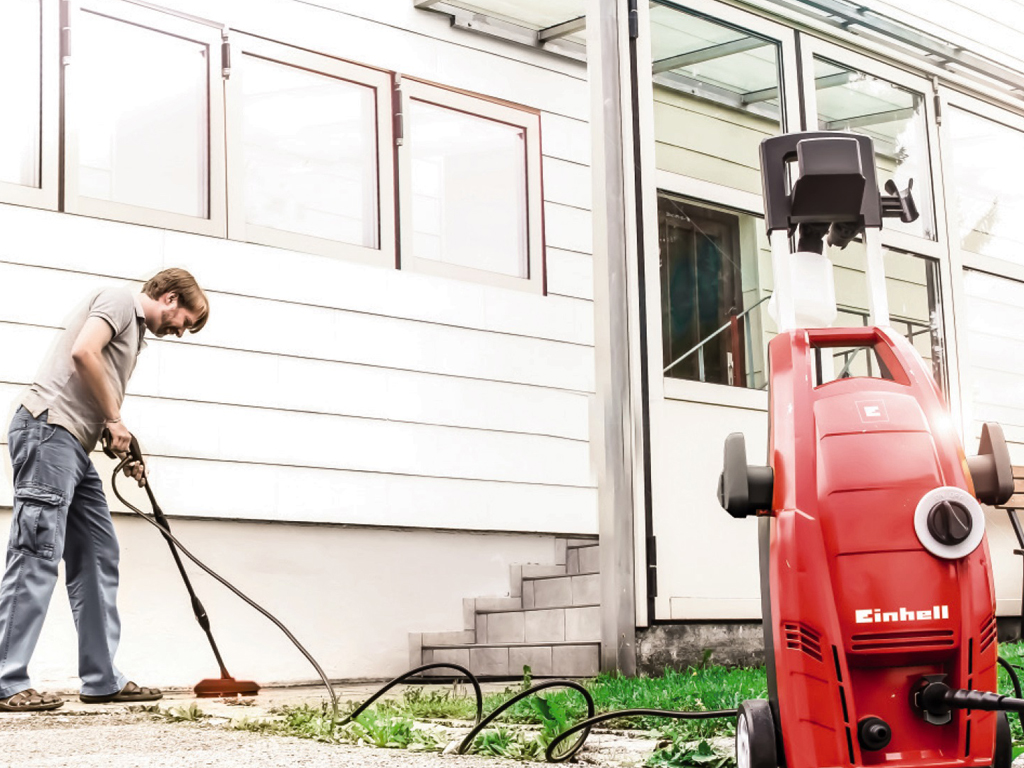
(878, 616)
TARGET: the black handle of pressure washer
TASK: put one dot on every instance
(135, 451)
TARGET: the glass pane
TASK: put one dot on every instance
(712, 264)
(988, 165)
(141, 106)
(913, 290)
(468, 190)
(894, 118)
(310, 145)
(716, 278)
(716, 96)
(994, 349)
(20, 88)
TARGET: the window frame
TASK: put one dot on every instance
(46, 194)
(699, 191)
(383, 84)
(490, 109)
(812, 47)
(215, 224)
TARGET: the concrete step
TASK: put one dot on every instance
(580, 560)
(581, 542)
(508, 660)
(562, 591)
(453, 637)
(490, 605)
(540, 625)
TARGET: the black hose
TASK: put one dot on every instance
(252, 603)
(468, 740)
(466, 673)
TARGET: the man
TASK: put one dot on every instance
(59, 505)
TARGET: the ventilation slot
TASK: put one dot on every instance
(988, 633)
(803, 639)
(902, 640)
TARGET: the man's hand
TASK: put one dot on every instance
(136, 470)
(120, 437)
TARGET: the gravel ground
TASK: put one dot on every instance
(109, 736)
(125, 740)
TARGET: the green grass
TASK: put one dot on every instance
(524, 731)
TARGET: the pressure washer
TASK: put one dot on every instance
(878, 596)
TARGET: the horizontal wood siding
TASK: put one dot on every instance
(328, 391)
(707, 141)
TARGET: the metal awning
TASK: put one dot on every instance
(558, 26)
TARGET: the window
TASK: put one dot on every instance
(310, 152)
(139, 117)
(469, 175)
(987, 168)
(712, 298)
(28, 92)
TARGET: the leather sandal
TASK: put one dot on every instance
(131, 692)
(30, 700)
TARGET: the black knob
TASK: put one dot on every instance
(950, 522)
(874, 733)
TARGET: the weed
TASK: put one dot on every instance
(190, 713)
(680, 755)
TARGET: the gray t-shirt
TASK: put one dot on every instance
(60, 390)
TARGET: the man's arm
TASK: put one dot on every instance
(87, 355)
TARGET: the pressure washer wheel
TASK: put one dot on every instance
(755, 735)
(1003, 756)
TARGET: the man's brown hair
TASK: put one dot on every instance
(190, 295)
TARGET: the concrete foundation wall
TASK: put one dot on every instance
(678, 646)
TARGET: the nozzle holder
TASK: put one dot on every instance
(992, 470)
(743, 489)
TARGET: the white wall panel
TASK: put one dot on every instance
(568, 228)
(565, 138)
(41, 238)
(235, 433)
(567, 183)
(168, 370)
(570, 274)
(187, 487)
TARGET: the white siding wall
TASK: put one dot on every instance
(331, 392)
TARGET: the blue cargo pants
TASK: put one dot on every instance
(59, 509)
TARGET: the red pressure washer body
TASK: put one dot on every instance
(859, 609)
